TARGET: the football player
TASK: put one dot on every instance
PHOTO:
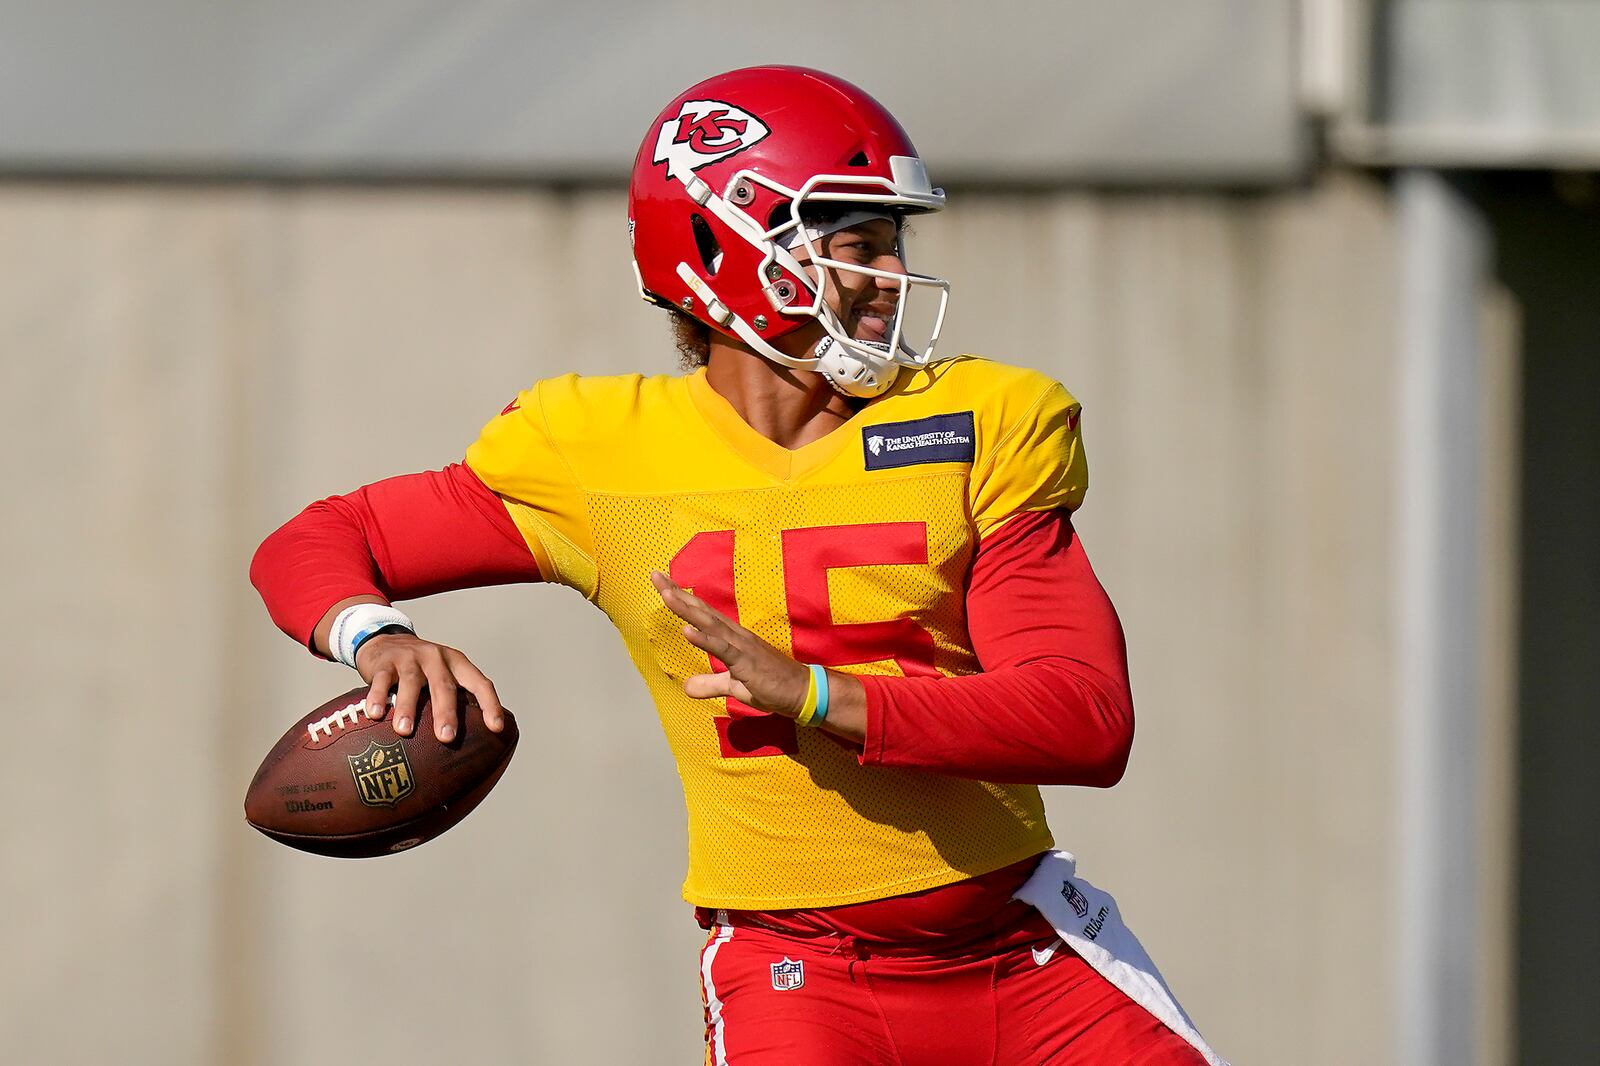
(849, 576)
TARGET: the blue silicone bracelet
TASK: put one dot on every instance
(821, 674)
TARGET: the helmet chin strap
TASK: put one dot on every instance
(856, 373)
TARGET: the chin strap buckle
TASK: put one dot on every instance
(855, 373)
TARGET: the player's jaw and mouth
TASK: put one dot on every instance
(872, 321)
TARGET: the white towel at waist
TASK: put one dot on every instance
(1087, 919)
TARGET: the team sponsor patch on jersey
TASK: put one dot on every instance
(788, 975)
(935, 439)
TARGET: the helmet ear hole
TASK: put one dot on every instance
(778, 215)
(705, 242)
(859, 160)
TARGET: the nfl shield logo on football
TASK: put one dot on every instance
(1070, 893)
(382, 774)
(788, 975)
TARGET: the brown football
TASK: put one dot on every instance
(340, 784)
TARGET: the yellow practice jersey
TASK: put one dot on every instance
(851, 551)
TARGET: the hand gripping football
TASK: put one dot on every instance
(341, 784)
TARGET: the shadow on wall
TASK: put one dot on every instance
(1547, 237)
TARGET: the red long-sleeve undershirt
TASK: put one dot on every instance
(1051, 707)
(399, 539)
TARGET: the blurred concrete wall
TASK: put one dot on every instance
(185, 366)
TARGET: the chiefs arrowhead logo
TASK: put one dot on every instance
(704, 132)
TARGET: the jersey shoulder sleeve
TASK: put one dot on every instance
(518, 458)
(1029, 454)
(532, 455)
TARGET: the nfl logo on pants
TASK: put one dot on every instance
(788, 974)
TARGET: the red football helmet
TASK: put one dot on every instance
(743, 168)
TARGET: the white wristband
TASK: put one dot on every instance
(355, 624)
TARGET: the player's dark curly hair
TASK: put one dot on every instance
(693, 340)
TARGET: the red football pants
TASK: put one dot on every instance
(775, 999)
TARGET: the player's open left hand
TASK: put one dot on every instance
(757, 674)
(403, 664)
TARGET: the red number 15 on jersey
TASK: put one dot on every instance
(705, 565)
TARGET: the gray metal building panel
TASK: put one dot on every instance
(1029, 90)
(1479, 84)
(1505, 68)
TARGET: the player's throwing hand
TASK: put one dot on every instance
(405, 664)
(757, 674)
